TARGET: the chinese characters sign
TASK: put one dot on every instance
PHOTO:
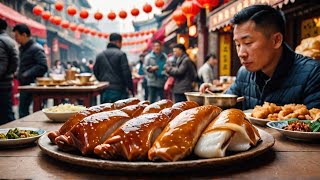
(225, 55)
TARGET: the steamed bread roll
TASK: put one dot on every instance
(95, 129)
(179, 137)
(125, 102)
(134, 138)
(73, 120)
(157, 106)
(229, 131)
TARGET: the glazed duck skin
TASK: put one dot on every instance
(157, 106)
(179, 137)
(94, 129)
(229, 131)
(125, 102)
(67, 126)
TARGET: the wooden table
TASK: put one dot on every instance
(286, 160)
(40, 93)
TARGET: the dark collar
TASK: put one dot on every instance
(112, 45)
(27, 45)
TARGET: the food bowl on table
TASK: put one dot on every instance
(62, 112)
(43, 81)
(84, 77)
(195, 96)
(222, 100)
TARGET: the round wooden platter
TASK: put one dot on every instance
(267, 141)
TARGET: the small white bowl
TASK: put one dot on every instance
(58, 117)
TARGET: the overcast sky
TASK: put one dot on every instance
(106, 6)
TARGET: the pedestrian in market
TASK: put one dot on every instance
(8, 65)
(112, 66)
(208, 72)
(272, 71)
(154, 69)
(33, 64)
(141, 75)
(57, 67)
(184, 73)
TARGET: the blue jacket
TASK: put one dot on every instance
(295, 80)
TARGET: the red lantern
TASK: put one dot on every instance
(80, 28)
(37, 10)
(84, 14)
(135, 12)
(51, 19)
(159, 3)
(99, 34)
(112, 15)
(208, 4)
(147, 8)
(59, 6)
(73, 26)
(65, 24)
(189, 8)
(142, 33)
(124, 35)
(57, 20)
(46, 15)
(93, 32)
(86, 30)
(72, 10)
(179, 17)
(123, 14)
(106, 35)
(98, 16)
(131, 35)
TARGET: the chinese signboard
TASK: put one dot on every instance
(225, 55)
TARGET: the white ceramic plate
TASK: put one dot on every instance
(296, 135)
(58, 117)
(20, 141)
(256, 121)
(46, 146)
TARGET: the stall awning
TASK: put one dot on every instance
(221, 16)
(13, 17)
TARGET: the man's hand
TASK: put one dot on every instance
(205, 86)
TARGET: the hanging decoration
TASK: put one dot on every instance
(86, 30)
(73, 26)
(57, 20)
(147, 8)
(106, 35)
(65, 24)
(135, 12)
(179, 17)
(190, 9)
(37, 10)
(46, 15)
(59, 5)
(71, 10)
(159, 3)
(80, 28)
(208, 4)
(98, 16)
(112, 15)
(93, 32)
(123, 14)
(84, 14)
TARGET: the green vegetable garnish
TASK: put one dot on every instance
(315, 126)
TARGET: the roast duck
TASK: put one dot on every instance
(137, 131)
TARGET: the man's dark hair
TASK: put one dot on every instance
(265, 17)
(142, 55)
(22, 28)
(180, 46)
(156, 42)
(209, 56)
(115, 37)
(90, 61)
(3, 25)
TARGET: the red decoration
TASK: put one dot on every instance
(100, 34)
(93, 32)
(80, 28)
(124, 35)
(72, 10)
(73, 26)
(135, 12)
(51, 19)
(46, 15)
(106, 35)
(84, 14)
(86, 30)
(159, 3)
(123, 14)
(147, 8)
(65, 24)
(189, 8)
(208, 4)
(59, 6)
(57, 20)
(98, 16)
(179, 17)
(37, 10)
(112, 15)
